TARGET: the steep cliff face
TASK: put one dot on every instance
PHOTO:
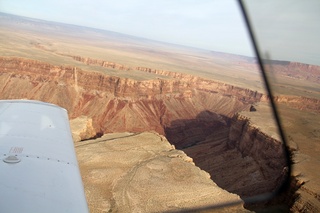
(101, 63)
(266, 151)
(295, 70)
(119, 104)
(289, 69)
(241, 158)
(301, 103)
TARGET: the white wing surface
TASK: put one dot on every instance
(38, 167)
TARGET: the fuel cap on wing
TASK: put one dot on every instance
(12, 159)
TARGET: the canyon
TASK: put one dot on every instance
(198, 116)
(162, 127)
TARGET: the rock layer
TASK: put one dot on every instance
(118, 104)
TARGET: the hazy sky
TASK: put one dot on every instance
(209, 24)
(289, 29)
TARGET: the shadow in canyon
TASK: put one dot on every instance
(206, 139)
(185, 133)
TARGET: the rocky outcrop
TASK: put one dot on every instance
(82, 129)
(126, 172)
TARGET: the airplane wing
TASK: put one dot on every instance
(38, 167)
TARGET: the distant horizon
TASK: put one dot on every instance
(241, 44)
(157, 41)
(138, 37)
(209, 25)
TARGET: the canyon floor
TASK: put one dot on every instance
(153, 110)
